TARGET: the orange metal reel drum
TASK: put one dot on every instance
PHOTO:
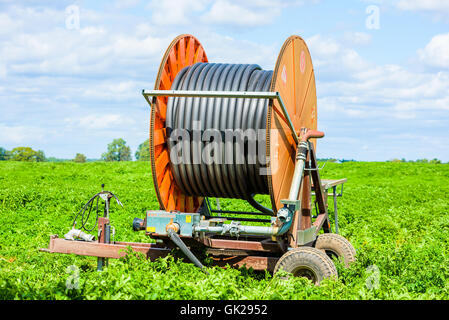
(293, 78)
(185, 50)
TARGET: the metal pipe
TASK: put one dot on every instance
(301, 158)
(236, 229)
(181, 245)
(246, 219)
(226, 94)
(239, 212)
(211, 94)
(335, 207)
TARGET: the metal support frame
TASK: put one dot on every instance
(104, 229)
(259, 253)
(333, 184)
(256, 251)
(275, 230)
(219, 211)
(335, 207)
(114, 250)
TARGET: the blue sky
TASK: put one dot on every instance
(69, 87)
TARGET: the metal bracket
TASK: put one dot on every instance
(305, 236)
(293, 205)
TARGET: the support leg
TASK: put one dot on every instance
(335, 208)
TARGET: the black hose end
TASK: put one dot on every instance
(138, 224)
(177, 240)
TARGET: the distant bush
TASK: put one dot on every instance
(117, 151)
(436, 161)
(4, 154)
(143, 151)
(80, 158)
(27, 154)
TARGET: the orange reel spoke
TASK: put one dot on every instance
(159, 136)
(184, 51)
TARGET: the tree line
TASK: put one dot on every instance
(22, 154)
(117, 150)
(434, 160)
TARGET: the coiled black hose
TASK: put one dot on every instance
(213, 118)
(88, 205)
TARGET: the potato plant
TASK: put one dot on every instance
(395, 215)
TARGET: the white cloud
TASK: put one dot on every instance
(332, 57)
(323, 46)
(242, 13)
(437, 9)
(175, 12)
(88, 51)
(117, 91)
(249, 13)
(356, 94)
(424, 5)
(414, 5)
(436, 52)
(72, 90)
(357, 38)
(239, 51)
(3, 71)
(17, 135)
(100, 121)
(126, 4)
(8, 25)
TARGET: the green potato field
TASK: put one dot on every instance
(396, 215)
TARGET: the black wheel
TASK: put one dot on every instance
(307, 262)
(336, 246)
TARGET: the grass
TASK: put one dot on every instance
(395, 215)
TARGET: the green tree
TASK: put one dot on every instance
(80, 158)
(435, 161)
(4, 154)
(117, 151)
(143, 151)
(27, 154)
(40, 156)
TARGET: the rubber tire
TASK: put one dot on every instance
(335, 245)
(316, 264)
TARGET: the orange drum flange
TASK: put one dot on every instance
(294, 79)
(185, 50)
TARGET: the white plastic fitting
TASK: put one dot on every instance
(78, 234)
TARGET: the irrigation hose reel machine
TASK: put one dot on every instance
(234, 131)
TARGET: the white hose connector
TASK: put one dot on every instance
(78, 234)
